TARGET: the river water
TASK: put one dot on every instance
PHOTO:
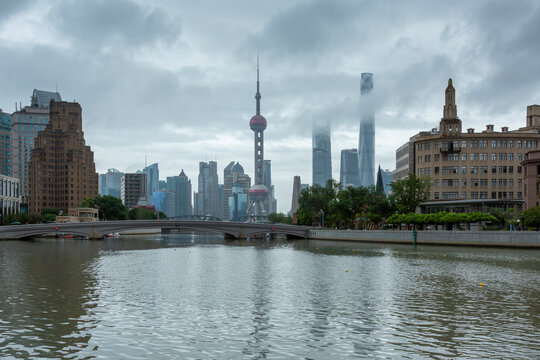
(202, 297)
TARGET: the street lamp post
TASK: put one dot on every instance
(518, 221)
(322, 212)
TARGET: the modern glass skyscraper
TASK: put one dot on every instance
(181, 187)
(322, 154)
(208, 196)
(152, 171)
(348, 174)
(110, 183)
(5, 135)
(366, 142)
(25, 125)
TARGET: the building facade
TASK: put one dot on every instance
(366, 138)
(472, 171)
(234, 176)
(10, 195)
(348, 172)
(181, 187)
(26, 123)
(110, 183)
(5, 143)
(322, 154)
(208, 196)
(152, 173)
(133, 188)
(61, 172)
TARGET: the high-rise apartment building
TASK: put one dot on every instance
(208, 196)
(110, 183)
(237, 203)
(61, 172)
(474, 171)
(152, 172)
(348, 173)
(181, 187)
(366, 142)
(322, 154)
(5, 143)
(133, 188)
(25, 125)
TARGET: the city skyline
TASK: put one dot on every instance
(191, 83)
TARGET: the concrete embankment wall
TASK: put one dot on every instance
(473, 238)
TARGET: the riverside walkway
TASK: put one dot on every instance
(96, 230)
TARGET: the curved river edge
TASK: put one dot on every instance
(521, 239)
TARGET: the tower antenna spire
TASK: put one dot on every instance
(258, 94)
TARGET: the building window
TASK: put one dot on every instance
(494, 182)
(463, 169)
(519, 144)
(519, 195)
(519, 169)
(437, 157)
(463, 182)
(511, 182)
(464, 195)
(436, 145)
(463, 143)
(511, 169)
(436, 196)
(436, 183)
(493, 143)
(511, 156)
(519, 183)
(493, 157)
(436, 169)
(519, 156)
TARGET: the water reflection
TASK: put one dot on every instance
(199, 296)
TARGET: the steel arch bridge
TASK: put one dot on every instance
(97, 230)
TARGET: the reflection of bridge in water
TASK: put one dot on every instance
(99, 229)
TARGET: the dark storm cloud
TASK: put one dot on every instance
(509, 35)
(113, 22)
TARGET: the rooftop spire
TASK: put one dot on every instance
(258, 94)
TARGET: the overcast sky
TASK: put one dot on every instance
(175, 80)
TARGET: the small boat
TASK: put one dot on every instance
(64, 236)
(114, 235)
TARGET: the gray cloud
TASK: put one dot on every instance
(175, 80)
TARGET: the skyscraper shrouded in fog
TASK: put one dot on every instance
(258, 192)
(322, 153)
(366, 142)
(348, 173)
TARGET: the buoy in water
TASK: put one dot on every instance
(346, 270)
(481, 284)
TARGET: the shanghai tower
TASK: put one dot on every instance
(366, 141)
(258, 192)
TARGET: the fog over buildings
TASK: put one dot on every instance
(156, 78)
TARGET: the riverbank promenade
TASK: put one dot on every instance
(529, 239)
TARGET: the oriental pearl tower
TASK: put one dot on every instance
(258, 192)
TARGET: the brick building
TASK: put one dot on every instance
(61, 171)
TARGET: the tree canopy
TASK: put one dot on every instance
(408, 193)
(110, 207)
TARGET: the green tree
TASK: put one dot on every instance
(141, 213)
(110, 207)
(281, 218)
(531, 217)
(408, 193)
(314, 199)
